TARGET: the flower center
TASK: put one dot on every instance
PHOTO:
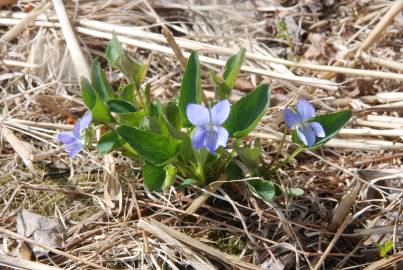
(303, 124)
(211, 124)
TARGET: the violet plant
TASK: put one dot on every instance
(74, 140)
(306, 131)
(185, 139)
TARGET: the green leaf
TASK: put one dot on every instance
(153, 147)
(159, 177)
(231, 71)
(127, 93)
(108, 142)
(131, 119)
(233, 171)
(113, 50)
(246, 113)
(100, 112)
(153, 176)
(101, 85)
(88, 136)
(295, 192)
(173, 115)
(187, 182)
(150, 123)
(89, 96)
(331, 123)
(170, 176)
(233, 66)
(263, 189)
(385, 248)
(191, 87)
(218, 81)
(120, 106)
(155, 109)
(250, 156)
(134, 71)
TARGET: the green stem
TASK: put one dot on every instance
(201, 157)
(142, 103)
(290, 157)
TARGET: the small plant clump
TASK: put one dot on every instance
(185, 139)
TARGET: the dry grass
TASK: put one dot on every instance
(359, 173)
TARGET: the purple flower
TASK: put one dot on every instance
(209, 132)
(307, 131)
(72, 140)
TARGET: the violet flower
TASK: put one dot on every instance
(209, 132)
(73, 140)
(306, 131)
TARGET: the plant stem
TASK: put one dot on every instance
(201, 157)
(290, 157)
(137, 87)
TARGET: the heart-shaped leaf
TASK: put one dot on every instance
(108, 142)
(233, 171)
(250, 156)
(246, 113)
(153, 147)
(100, 112)
(158, 177)
(295, 192)
(263, 189)
(153, 176)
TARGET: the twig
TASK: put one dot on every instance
(98, 28)
(325, 84)
(14, 31)
(203, 47)
(3, 211)
(71, 191)
(199, 201)
(385, 262)
(360, 144)
(394, 9)
(139, 216)
(234, 261)
(23, 149)
(344, 206)
(382, 62)
(342, 227)
(13, 63)
(372, 132)
(54, 250)
(172, 43)
(194, 259)
(20, 263)
(80, 65)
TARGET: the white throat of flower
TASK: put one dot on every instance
(211, 126)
